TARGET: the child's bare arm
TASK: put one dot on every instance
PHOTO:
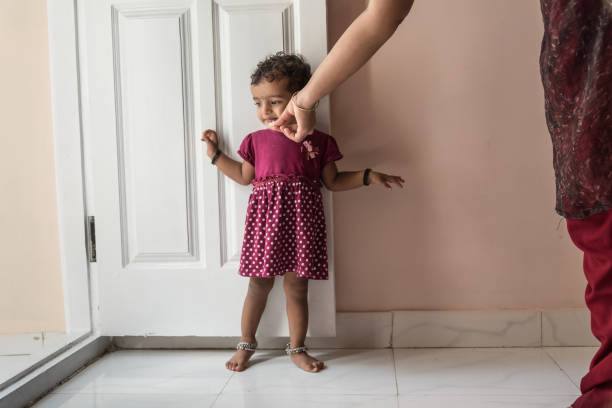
(338, 181)
(241, 173)
(348, 180)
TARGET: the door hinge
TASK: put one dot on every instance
(91, 238)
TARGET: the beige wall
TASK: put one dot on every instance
(454, 104)
(30, 282)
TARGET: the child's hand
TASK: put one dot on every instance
(385, 179)
(212, 142)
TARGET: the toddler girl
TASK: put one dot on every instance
(285, 224)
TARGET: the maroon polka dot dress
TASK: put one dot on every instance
(285, 221)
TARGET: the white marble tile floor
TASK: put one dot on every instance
(19, 352)
(373, 378)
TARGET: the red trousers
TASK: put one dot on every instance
(593, 235)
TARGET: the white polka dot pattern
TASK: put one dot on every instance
(285, 230)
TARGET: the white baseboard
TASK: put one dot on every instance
(570, 327)
(467, 329)
(496, 328)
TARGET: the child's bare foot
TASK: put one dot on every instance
(307, 363)
(239, 360)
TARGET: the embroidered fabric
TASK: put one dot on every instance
(289, 178)
(576, 68)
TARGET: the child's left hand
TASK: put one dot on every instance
(385, 179)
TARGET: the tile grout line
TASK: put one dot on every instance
(392, 327)
(222, 388)
(395, 377)
(541, 329)
(393, 355)
(561, 368)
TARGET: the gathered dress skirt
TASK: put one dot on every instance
(285, 230)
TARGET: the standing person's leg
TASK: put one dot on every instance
(296, 291)
(593, 235)
(253, 308)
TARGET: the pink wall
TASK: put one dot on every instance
(454, 104)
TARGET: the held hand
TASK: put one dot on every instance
(212, 142)
(385, 179)
(294, 123)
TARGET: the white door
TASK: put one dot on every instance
(169, 226)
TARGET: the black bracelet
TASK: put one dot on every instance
(216, 156)
(365, 177)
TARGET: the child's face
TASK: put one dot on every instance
(270, 99)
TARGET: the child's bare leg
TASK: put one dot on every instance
(253, 308)
(296, 290)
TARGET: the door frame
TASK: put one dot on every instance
(70, 165)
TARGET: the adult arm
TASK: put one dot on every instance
(370, 30)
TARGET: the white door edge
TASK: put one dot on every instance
(70, 189)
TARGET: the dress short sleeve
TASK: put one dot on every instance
(247, 151)
(332, 153)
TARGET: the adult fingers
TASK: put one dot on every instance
(286, 118)
(306, 122)
(288, 132)
(300, 135)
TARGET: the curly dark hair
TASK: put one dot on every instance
(282, 65)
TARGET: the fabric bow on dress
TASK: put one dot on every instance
(312, 151)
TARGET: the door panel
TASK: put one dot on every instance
(169, 225)
(155, 133)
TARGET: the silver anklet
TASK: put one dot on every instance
(243, 345)
(296, 350)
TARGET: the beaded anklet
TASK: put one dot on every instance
(296, 350)
(243, 345)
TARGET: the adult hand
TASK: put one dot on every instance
(295, 123)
